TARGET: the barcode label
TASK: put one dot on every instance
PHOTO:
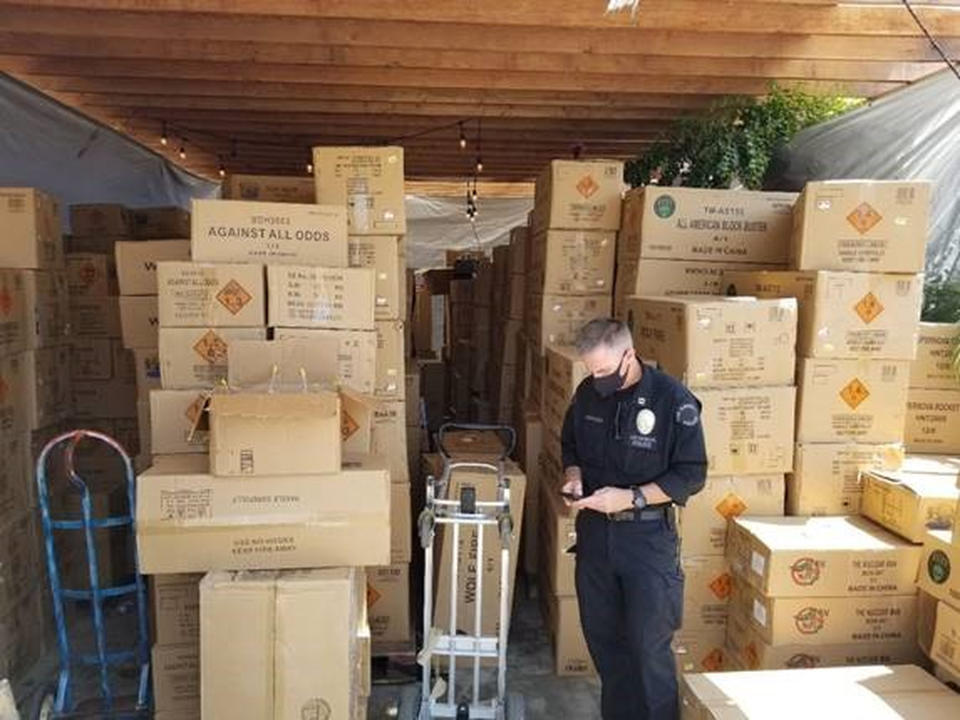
(758, 563)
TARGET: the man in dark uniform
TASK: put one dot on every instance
(633, 448)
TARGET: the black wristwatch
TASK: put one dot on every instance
(639, 499)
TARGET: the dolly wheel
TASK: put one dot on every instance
(516, 707)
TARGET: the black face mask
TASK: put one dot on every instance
(607, 385)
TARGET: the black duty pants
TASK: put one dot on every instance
(630, 589)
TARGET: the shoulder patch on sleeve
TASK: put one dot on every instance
(688, 414)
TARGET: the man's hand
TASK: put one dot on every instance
(607, 500)
(573, 483)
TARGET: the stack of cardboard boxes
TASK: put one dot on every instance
(933, 400)
(459, 344)
(482, 324)
(509, 263)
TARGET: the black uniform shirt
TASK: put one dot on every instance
(650, 432)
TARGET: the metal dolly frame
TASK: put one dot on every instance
(62, 703)
(456, 513)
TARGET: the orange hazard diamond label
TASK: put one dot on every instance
(864, 217)
(869, 308)
(713, 661)
(854, 393)
(234, 297)
(212, 348)
(372, 595)
(731, 506)
(348, 426)
(587, 186)
(722, 586)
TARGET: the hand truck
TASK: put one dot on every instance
(61, 702)
(424, 703)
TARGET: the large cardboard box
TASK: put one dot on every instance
(674, 223)
(335, 298)
(386, 256)
(933, 421)
(946, 639)
(573, 262)
(31, 229)
(116, 398)
(555, 319)
(91, 275)
(390, 359)
(748, 430)
(557, 532)
(564, 373)
(269, 188)
(13, 374)
(861, 225)
(190, 521)
(47, 386)
(268, 233)
(910, 504)
(95, 317)
(369, 181)
(89, 220)
(401, 523)
(283, 364)
(194, 294)
(562, 618)
(173, 419)
(176, 677)
(175, 606)
(852, 400)
(388, 603)
(390, 438)
(160, 223)
(723, 342)
(13, 318)
(820, 557)
(356, 354)
(703, 521)
(578, 195)
(197, 357)
(139, 321)
(137, 263)
(706, 594)
(940, 567)
(826, 476)
(265, 434)
(91, 359)
(933, 367)
(844, 314)
(47, 301)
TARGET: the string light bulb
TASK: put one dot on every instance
(223, 171)
(163, 134)
(182, 152)
(479, 164)
(463, 137)
(309, 168)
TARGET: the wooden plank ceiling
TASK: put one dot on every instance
(252, 84)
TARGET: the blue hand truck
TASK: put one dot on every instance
(61, 702)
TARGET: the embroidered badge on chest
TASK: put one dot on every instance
(646, 421)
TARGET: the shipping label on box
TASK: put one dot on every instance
(573, 262)
(174, 416)
(269, 188)
(137, 263)
(910, 504)
(95, 317)
(261, 232)
(176, 677)
(335, 298)
(175, 602)
(933, 421)
(936, 347)
(369, 181)
(722, 342)
(47, 302)
(386, 256)
(194, 522)
(820, 557)
(31, 229)
(139, 321)
(706, 593)
(106, 219)
(556, 319)
(91, 275)
(852, 400)
(826, 476)
(356, 354)
(147, 371)
(748, 430)
(861, 225)
(197, 357)
(578, 195)
(388, 602)
(703, 521)
(210, 295)
(940, 566)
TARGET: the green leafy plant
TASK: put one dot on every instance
(941, 303)
(734, 141)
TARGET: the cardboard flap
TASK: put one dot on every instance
(921, 484)
(257, 363)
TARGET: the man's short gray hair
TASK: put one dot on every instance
(608, 332)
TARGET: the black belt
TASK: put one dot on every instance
(653, 513)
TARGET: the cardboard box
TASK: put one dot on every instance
(176, 677)
(13, 318)
(940, 567)
(390, 438)
(748, 430)
(844, 314)
(571, 655)
(175, 606)
(411, 393)
(676, 223)
(356, 354)
(388, 603)
(137, 263)
(95, 317)
(91, 359)
(94, 219)
(335, 298)
(210, 295)
(13, 374)
(268, 233)
(564, 373)
(706, 594)
(933, 421)
(368, 181)
(47, 300)
(115, 398)
(703, 521)
(578, 195)
(700, 651)
(160, 223)
(852, 400)
(283, 364)
(557, 531)
(555, 319)
(820, 557)
(197, 357)
(263, 434)
(861, 225)
(269, 188)
(722, 342)
(31, 229)
(390, 359)
(401, 523)
(933, 367)
(946, 641)
(910, 505)
(91, 275)
(47, 386)
(192, 521)
(826, 476)
(573, 262)
(147, 371)
(932, 464)
(139, 321)
(386, 256)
